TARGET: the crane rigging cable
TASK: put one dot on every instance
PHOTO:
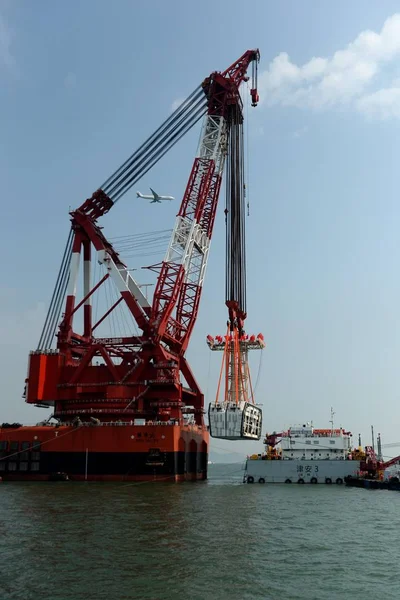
(141, 240)
(153, 149)
(143, 244)
(138, 235)
(235, 219)
(178, 112)
(57, 298)
(171, 141)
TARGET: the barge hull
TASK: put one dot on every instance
(104, 453)
(303, 471)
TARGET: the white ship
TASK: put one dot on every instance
(303, 454)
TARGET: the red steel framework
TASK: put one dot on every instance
(141, 375)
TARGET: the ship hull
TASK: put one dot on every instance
(109, 452)
(300, 471)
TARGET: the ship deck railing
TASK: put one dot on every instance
(287, 458)
(121, 424)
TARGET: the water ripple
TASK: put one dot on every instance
(220, 540)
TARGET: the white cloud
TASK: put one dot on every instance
(346, 78)
(383, 104)
(6, 58)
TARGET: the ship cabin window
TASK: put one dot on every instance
(35, 466)
(12, 466)
(14, 446)
(332, 441)
(2, 465)
(36, 445)
(23, 466)
(316, 441)
(35, 455)
(308, 441)
(3, 449)
(25, 455)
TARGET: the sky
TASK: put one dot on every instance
(83, 84)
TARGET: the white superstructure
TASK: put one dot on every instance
(304, 454)
(306, 443)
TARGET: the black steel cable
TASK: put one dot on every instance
(180, 130)
(140, 244)
(149, 147)
(176, 113)
(58, 303)
(167, 146)
(235, 272)
(153, 142)
(139, 235)
(65, 260)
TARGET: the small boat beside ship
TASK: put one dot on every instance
(304, 454)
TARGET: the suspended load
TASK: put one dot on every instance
(231, 421)
(236, 417)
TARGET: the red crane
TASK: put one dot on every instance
(373, 466)
(144, 375)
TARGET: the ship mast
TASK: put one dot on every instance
(331, 419)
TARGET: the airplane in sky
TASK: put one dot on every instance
(155, 197)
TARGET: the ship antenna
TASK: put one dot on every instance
(331, 421)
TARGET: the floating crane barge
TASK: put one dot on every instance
(130, 408)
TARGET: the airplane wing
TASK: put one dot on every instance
(154, 194)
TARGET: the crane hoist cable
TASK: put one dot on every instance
(180, 130)
(150, 152)
(130, 160)
(48, 330)
(235, 283)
